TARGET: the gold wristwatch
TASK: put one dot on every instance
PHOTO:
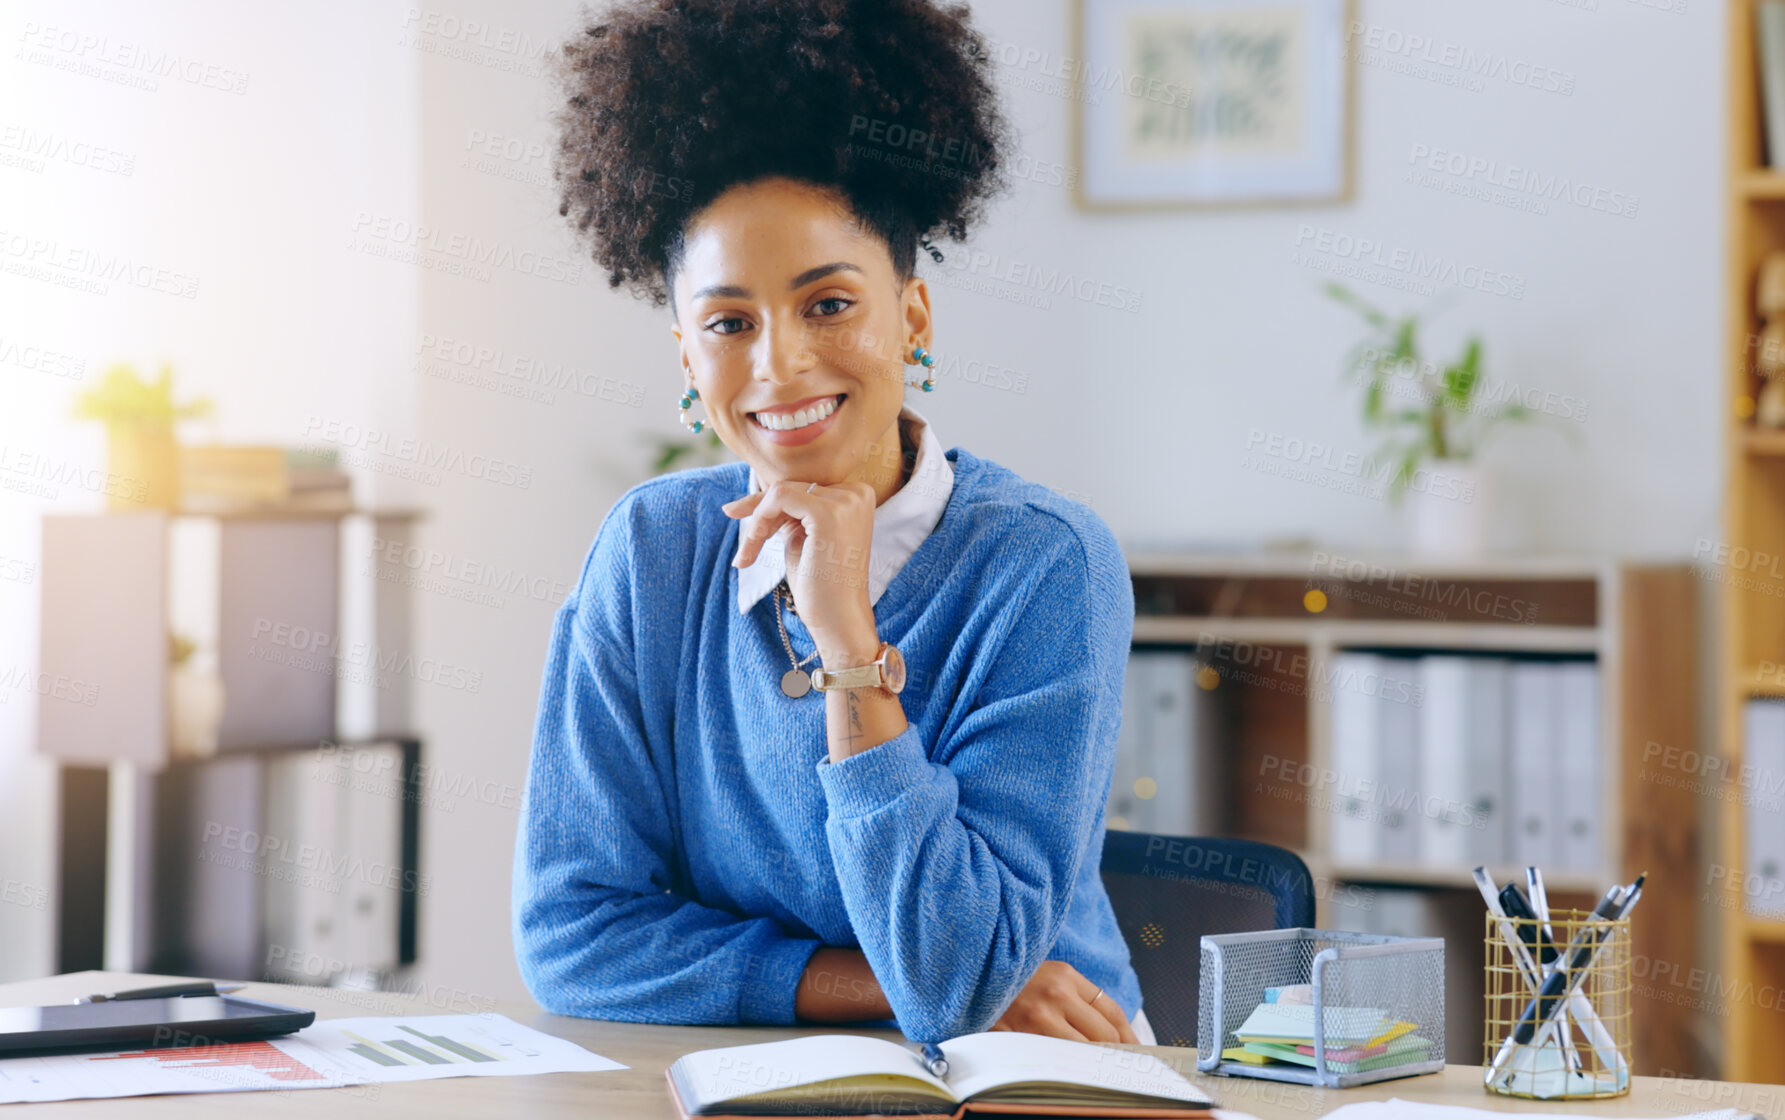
(886, 672)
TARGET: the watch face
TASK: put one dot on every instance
(895, 670)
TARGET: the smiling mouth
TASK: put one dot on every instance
(803, 418)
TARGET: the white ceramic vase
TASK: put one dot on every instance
(1447, 506)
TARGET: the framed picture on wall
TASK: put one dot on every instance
(1187, 103)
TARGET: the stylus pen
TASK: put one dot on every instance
(1539, 899)
(165, 991)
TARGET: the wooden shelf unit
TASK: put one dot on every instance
(1751, 602)
(1252, 617)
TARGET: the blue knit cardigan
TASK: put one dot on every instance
(685, 844)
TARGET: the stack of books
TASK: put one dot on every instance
(1357, 1038)
(240, 479)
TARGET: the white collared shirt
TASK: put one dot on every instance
(900, 523)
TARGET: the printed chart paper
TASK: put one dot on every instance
(331, 1053)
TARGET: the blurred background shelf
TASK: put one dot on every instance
(212, 821)
(1241, 660)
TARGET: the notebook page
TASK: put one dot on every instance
(763, 1067)
(978, 1062)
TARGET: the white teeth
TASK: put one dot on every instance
(781, 422)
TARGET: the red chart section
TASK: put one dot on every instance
(261, 1056)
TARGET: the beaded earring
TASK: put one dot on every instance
(689, 396)
(927, 360)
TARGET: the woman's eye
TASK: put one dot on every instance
(718, 326)
(841, 303)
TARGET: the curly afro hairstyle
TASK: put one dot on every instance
(669, 103)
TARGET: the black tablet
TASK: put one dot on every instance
(148, 1023)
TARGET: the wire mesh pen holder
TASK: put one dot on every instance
(1573, 1043)
(1347, 979)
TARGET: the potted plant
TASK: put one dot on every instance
(139, 418)
(674, 454)
(1434, 420)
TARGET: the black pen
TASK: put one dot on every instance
(1613, 906)
(165, 991)
(1531, 932)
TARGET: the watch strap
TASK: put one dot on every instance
(871, 675)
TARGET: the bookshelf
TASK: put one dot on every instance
(265, 597)
(1752, 618)
(1632, 619)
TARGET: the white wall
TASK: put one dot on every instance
(253, 194)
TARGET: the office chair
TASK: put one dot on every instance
(1168, 891)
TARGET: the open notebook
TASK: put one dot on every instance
(993, 1072)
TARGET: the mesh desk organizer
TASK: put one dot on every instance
(1357, 981)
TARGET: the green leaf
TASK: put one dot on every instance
(1371, 315)
(121, 395)
(1461, 379)
(1406, 342)
(1403, 476)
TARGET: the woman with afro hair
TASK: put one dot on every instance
(826, 734)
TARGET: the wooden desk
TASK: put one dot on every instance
(641, 1090)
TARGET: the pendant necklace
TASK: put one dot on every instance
(795, 682)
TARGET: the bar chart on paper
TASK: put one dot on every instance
(331, 1053)
(411, 1049)
(419, 1048)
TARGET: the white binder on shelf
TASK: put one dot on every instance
(1531, 733)
(1356, 733)
(336, 916)
(1762, 785)
(1580, 791)
(1134, 755)
(303, 913)
(1165, 780)
(1484, 762)
(1398, 789)
(372, 831)
(1446, 716)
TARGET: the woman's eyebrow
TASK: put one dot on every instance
(734, 291)
(819, 273)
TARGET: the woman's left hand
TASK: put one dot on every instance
(831, 529)
(1059, 1002)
